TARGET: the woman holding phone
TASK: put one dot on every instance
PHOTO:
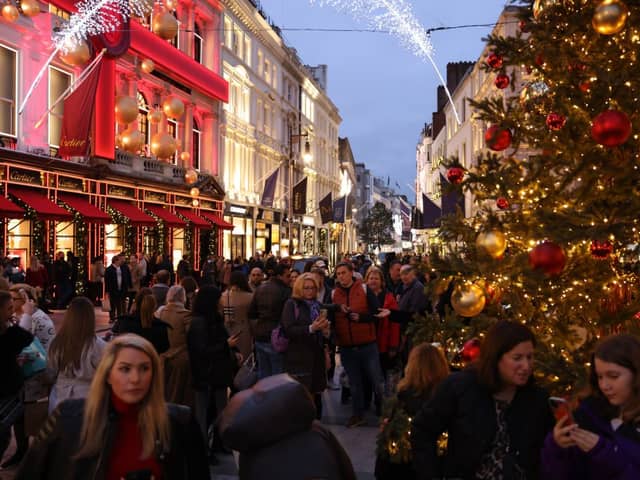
(496, 418)
(306, 326)
(124, 428)
(602, 440)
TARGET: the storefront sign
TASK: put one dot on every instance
(237, 210)
(120, 191)
(25, 176)
(267, 216)
(308, 221)
(156, 196)
(184, 201)
(70, 183)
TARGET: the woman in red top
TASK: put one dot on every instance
(388, 332)
(123, 428)
(37, 275)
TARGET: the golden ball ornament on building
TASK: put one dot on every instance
(126, 109)
(165, 25)
(190, 176)
(468, 299)
(10, 13)
(194, 192)
(154, 116)
(610, 17)
(173, 107)
(195, 202)
(185, 157)
(147, 65)
(163, 145)
(75, 53)
(494, 242)
(30, 8)
(131, 141)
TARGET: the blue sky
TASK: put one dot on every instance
(384, 93)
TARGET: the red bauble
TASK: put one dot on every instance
(497, 138)
(502, 81)
(611, 128)
(601, 250)
(548, 257)
(524, 26)
(502, 203)
(455, 175)
(555, 121)
(540, 60)
(470, 350)
(494, 60)
(585, 86)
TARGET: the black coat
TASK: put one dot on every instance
(466, 409)
(51, 455)
(111, 281)
(266, 308)
(211, 359)
(12, 342)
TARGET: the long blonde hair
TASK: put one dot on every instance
(426, 368)
(153, 418)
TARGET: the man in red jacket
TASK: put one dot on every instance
(355, 330)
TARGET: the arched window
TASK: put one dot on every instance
(198, 43)
(196, 138)
(143, 121)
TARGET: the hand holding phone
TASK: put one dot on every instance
(561, 409)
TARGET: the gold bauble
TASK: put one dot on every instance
(468, 299)
(194, 192)
(75, 53)
(190, 176)
(493, 242)
(154, 116)
(30, 8)
(147, 65)
(185, 156)
(195, 202)
(131, 141)
(163, 145)
(610, 17)
(165, 25)
(10, 13)
(173, 107)
(126, 109)
(540, 6)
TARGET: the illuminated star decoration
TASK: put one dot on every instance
(396, 17)
(92, 17)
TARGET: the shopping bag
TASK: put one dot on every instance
(35, 358)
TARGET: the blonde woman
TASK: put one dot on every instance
(123, 427)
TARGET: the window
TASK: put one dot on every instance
(247, 50)
(198, 43)
(195, 145)
(237, 41)
(143, 121)
(64, 236)
(267, 71)
(59, 81)
(59, 12)
(228, 33)
(260, 63)
(8, 93)
(275, 77)
(172, 129)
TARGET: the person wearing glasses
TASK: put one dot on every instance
(29, 316)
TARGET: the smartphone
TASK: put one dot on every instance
(139, 475)
(561, 408)
(324, 312)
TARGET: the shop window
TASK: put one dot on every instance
(8, 95)
(178, 246)
(59, 82)
(64, 237)
(195, 145)
(114, 241)
(198, 43)
(19, 239)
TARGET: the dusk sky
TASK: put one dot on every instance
(384, 93)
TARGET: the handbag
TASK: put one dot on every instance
(106, 304)
(246, 376)
(36, 356)
(279, 340)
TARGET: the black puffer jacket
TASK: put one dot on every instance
(466, 409)
(266, 308)
(51, 455)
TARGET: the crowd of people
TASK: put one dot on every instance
(118, 405)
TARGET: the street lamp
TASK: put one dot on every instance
(307, 157)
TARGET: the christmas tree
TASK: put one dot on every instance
(553, 240)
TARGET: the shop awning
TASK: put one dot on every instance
(45, 208)
(133, 213)
(91, 213)
(216, 220)
(194, 218)
(8, 209)
(170, 219)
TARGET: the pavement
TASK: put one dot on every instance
(359, 442)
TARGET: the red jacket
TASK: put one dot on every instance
(388, 331)
(349, 333)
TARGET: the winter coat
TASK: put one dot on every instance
(176, 360)
(266, 307)
(211, 359)
(272, 426)
(616, 456)
(51, 455)
(466, 409)
(304, 359)
(388, 331)
(360, 300)
(412, 300)
(234, 305)
(12, 341)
